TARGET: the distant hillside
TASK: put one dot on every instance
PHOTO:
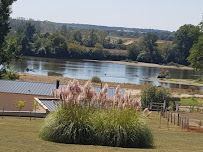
(47, 26)
(99, 27)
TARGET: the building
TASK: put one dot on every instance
(14, 91)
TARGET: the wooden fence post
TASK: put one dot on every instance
(180, 122)
(168, 121)
(178, 119)
(174, 119)
(171, 118)
(188, 121)
(3, 113)
(30, 115)
(183, 122)
(160, 120)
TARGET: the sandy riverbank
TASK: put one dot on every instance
(147, 65)
(133, 88)
(176, 81)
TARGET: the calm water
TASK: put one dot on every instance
(109, 72)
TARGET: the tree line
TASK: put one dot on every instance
(93, 44)
(179, 50)
(47, 26)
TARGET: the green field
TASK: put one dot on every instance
(191, 102)
(21, 135)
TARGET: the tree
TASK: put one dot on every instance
(133, 51)
(102, 34)
(58, 45)
(30, 30)
(76, 36)
(196, 55)
(185, 37)
(4, 29)
(64, 31)
(168, 52)
(26, 38)
(155, 94)
(91, 38)
(149, 45)
(19, 105)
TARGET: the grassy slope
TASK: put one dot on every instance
(22, 135)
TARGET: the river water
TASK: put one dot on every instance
(109, 72)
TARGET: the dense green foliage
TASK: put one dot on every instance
(8, 75)
(46, 39)
(196, 54)
(6, 53)
(46, 26)
(82, 125)
(155, 94)
(96, 79)
(185, 38)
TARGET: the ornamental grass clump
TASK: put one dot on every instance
(122, 128)
(86, 117)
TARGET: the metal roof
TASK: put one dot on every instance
(50, 104)
(36, 88)
(30, 88)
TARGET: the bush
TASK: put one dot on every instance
(96, 79)
(143, 57)
(122, 128)
(163, 73)
(8, 75)
(82, 125)
(156, 94)
(69, 125)
(88, 118)
(174, 64)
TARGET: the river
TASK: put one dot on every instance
(108, 72)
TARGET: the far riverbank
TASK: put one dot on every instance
(147, 64)
(133, 88)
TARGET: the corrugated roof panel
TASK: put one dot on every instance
(36, 88)
(21, 87)
(50, 104)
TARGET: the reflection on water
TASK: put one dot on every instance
(109, 72)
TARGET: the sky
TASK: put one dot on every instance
(150, 14)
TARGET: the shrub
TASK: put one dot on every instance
(174, 64)
(8, 75)
(13, 76)
(88, 118)
(69, 125)
(83, 125)
(163, 73)
(96, 79)
(152, 93)
(122, 128)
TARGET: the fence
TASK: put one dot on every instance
(175, 119)
(30, 114)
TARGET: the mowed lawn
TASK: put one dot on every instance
(21, 135)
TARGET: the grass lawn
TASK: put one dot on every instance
(20, 134)
(191, 102)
